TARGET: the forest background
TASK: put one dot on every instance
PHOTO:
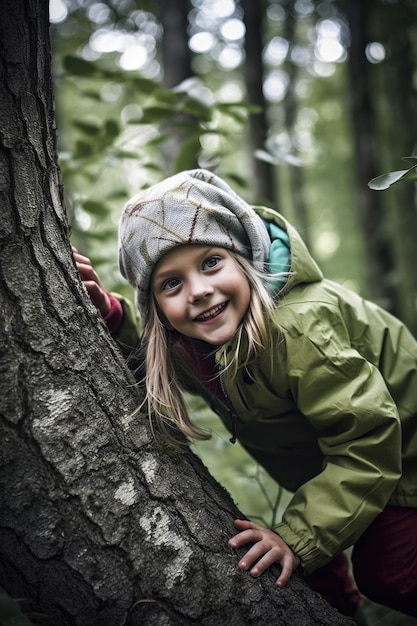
(298, 104)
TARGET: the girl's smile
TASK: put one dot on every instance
(201, 292)
(208, 315)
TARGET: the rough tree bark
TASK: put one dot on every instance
(100, 524)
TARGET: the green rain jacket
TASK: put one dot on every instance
(329, 409)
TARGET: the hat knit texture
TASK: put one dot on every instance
(192, 207)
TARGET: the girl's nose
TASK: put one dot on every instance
(199, 289)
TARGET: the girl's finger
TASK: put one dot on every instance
(288, 566)
(243, 538)
(268, 559)
(255, 553)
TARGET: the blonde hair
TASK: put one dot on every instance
(164, 393)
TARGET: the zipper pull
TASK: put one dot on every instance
(233, 438)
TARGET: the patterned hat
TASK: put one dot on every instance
(195, 206)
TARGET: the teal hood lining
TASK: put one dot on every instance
(279, 260)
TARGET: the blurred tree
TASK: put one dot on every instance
(393, 26)
(176, 69)
(262, 172)
(101, 524)
(176, 53)
(378, 252)
(291, 109)
(383, 101)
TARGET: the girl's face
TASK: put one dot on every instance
(201, 292)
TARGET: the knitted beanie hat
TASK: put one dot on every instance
(195, 206)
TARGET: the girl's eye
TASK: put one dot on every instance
(211, 262)
(171, 283)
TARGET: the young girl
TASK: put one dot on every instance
(319, 385)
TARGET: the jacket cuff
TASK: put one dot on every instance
(114, 317)
(311, 557)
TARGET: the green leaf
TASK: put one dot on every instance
(111, 129)
(83, 150)
(117, 194)
(156, 113)
(279, 157)
(92, 95)
(103, 234)
(78, 66)
(237, 180)
(87, 127)
(384, 181)
(95, 208)
(125, 154)
(232, 107)
(188, 154)
(191, 106)
(412, 160)
(153, 167)
(142, 85)
(163, 95)
(263, 155)
(236, 112)
(135, 120)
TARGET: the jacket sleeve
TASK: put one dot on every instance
(345, 398)
(128, 332)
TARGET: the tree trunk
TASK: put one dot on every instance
(176, 64)
(377, 245)
(100, 523)
(262, 183)
(398, 129)
(296, 177)
(176, 55)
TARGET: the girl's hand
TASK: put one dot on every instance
(91, 281)
(268, 549)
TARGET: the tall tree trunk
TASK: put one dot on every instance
(176, 64)
(176, 55)
(101, 525)
(377, 245)
(262, 183)
(396, 28)
(290, 107)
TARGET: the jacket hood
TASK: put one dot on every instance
(301, 266)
